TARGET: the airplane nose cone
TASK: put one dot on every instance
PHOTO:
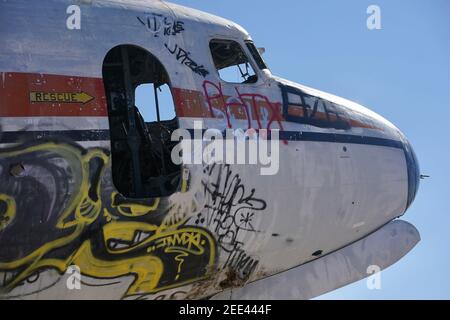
(413, 171)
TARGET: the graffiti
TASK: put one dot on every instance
(249, 106)
(241, 263)
(184, 58)
(157, 24)
(177, 295)
(134, 208)
(7, 210)
(61, 212)
(184, 204)
(183, 243)
(230, 211)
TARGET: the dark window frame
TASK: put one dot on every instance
(248, 56)
(256, 55)
(138, 151)
(309, 112)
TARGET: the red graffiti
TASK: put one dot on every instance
(250, 103)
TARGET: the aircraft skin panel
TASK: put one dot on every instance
(325, 186)
(47, 46)
(342, 174)
(380, 250)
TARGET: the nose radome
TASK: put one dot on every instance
(412, 169)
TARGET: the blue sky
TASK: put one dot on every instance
(401, 72)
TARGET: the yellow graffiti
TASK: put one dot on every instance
(79, 213)
(9, 210)
(178, 258)
(146, 269)
(121, 238)
(134, 209)
(108, 216)
(125, 232)
(188, 240)
(185, 241)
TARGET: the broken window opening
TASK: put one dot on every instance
(144, 97)
(141, 143)
(231, 62)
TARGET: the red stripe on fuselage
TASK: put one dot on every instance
(57, 95)
(49, 95)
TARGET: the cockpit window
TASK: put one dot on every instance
(255, 54)
(231, 62)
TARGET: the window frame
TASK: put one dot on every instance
(245, 50)
(130, 192)
(153, 95)
(263, 62)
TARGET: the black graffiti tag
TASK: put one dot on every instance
(157, 24)
(184, 58)
(229, 211)
(242, 263)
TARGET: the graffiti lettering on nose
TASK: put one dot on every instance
(249, 106)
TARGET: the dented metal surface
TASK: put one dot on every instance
(344, 171)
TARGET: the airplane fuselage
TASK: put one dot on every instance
(343, 172)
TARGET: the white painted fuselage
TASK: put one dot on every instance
(344, 171)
